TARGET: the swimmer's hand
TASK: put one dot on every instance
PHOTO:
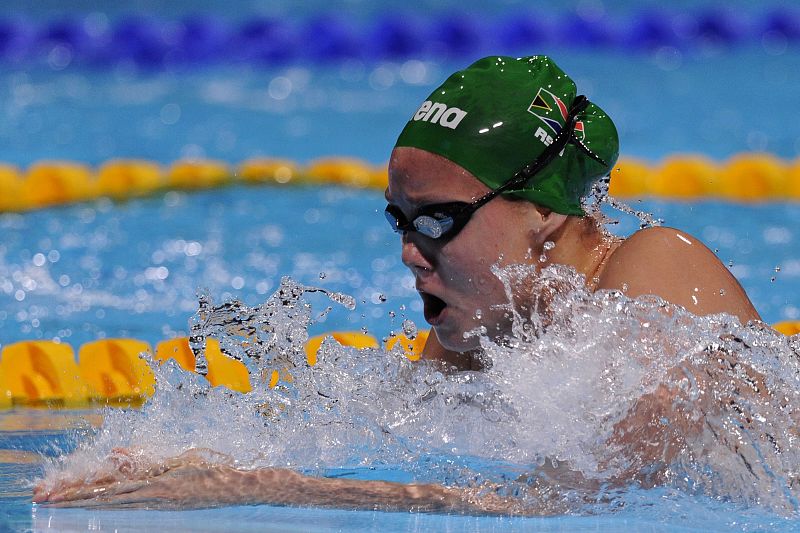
(129, 478)
(190, 481)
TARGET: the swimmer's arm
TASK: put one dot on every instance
(695, 397)
(677, 267)
(197, 485)
(286, 487)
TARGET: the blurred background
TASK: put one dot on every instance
(89, 82)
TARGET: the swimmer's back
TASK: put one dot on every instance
(677, 267)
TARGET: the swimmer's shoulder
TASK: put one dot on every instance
(677, 267)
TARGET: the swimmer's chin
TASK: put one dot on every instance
(456, 340)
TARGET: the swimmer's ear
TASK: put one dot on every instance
(548, 222)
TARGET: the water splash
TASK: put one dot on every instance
(568, 412)
(268, 335)
(599, 195)
(607, 363)
(409, 329)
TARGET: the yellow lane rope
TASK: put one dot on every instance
(45, 373)
(744, 177)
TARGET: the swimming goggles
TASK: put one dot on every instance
(446, 220)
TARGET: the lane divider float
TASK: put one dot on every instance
(111, 372)
(744, 177)
(42, 373)
(151, 42)
(788, 328)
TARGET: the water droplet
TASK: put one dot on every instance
(382, 298)
(345, 300)
(772, 279)
(722, 292)
(548, 245)
(322, 275)
(478, 314)
(777, 269)
(542, 258)
(409, 329)
(392, 314)
(730, 263)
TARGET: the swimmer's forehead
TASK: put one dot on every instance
(425, 198)
(436, 191)
(418, 177)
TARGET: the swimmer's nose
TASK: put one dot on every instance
(413, 257)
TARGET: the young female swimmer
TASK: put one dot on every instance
(489, 171)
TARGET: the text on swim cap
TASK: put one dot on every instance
(437, 113)
(546, 139)
(543, 136)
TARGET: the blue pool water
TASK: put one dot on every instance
(102, 269)
(662, 105)
(115, 288)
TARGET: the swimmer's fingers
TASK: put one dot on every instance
(161, 489)
(131, 463)
(134, 463)
(201, 456)
(47, 487)
(187, 486)
(119, 467)
(77, 491)
(123, 471)
(118, 494)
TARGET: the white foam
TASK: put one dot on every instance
(555, 394)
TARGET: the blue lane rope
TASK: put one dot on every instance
(151, 42)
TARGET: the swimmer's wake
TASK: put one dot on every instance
(599, 393)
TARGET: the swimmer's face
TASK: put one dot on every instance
(454, 278)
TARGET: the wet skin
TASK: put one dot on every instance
(202, 478)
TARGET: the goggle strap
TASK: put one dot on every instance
(566, 136)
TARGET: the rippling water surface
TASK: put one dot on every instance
(563, 419)
(539, 424)
(104, 269)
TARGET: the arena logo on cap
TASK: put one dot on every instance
(546, 102)
(436, 113)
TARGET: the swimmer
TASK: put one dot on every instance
(489, 171)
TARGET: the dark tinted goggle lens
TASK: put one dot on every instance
(395, 218)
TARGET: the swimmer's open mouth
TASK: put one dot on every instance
(433, 307)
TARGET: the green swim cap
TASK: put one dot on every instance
(499, 114)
